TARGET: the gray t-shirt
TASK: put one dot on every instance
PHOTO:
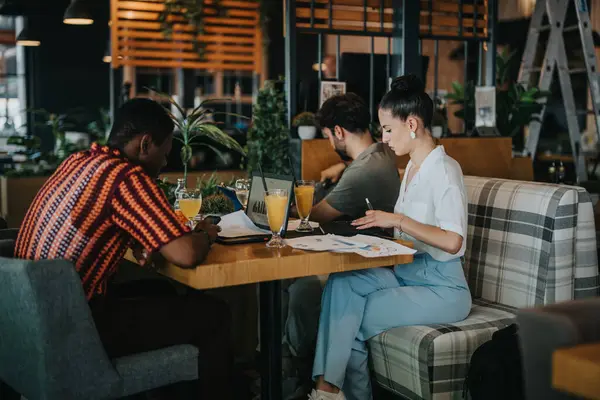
(373, 175)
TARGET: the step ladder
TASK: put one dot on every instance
(556, 57)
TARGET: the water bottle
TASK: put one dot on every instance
(180, 186)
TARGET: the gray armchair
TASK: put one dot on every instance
(50, 348)
(545, 329)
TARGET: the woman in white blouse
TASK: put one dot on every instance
(432, 213)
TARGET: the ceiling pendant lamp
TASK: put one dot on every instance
(107, 54)
(28, 38)
(78, 13)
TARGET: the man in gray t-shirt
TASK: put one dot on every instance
(372, 173)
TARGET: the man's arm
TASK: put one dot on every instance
(333, 173)
(346, 198)
(140, 208)
(323, 212)
(190, 250)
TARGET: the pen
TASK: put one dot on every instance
(371, 208)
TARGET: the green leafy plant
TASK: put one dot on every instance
(217, 204)
(214, 202)
(465, 97)
(31, 143)
(268, 137)
(193, 12)
(100, 128)
(305, 118)
(516, 105)
(36, 162)
(196, 124)
(58, 124)
(168, 189)
(209, 186)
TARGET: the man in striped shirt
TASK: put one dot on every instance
(105, 200)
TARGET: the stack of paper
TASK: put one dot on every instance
(366, 246)
(238, 224)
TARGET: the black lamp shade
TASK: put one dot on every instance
(78, 13)
(28, 38)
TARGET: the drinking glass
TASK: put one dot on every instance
(276, 201)
(242, 188)
(190, 203)
(305, 194)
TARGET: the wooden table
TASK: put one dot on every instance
(255, 263)
(576, 370)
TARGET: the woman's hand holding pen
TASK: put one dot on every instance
(379, 219)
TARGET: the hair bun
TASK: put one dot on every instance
(407, 84)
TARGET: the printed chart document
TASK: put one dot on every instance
(379, 247)
(325, 243)
(238, 224)
(366, 246)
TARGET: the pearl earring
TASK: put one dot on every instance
(413, 135)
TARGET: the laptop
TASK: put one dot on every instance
(257, 210)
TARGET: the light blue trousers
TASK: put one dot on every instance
(358, 305)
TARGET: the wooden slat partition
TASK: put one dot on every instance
(488, 157)
(377, 15)
(232, 41)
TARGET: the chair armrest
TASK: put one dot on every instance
(9, 234)
(543, 330)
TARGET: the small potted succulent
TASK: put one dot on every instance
(217, 205)
(305, 122)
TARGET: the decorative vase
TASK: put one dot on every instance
(307, 132)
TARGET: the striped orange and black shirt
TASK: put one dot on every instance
(95, 206)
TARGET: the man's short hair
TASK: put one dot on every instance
(349, 111)
(140, 116)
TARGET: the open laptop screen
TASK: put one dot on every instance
(256, 209)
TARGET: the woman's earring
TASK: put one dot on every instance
(413, 135)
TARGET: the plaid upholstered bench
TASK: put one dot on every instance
(529, 244)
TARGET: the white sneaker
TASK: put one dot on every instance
(321, 395)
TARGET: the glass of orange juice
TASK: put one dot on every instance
(276, 201)
(190, 203)
(305, 194)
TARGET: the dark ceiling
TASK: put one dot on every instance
(45, 7)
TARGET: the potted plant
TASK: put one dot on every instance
(306, 124)
(100, 128)
(268, 137)
(516, 105)
(193, 12)
(20, 184)
(214, 202)
(196, 124)
(59, 124)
